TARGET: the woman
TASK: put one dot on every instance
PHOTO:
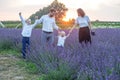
(84, 27)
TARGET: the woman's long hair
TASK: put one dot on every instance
(80, 12)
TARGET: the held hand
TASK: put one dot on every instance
(71, 29)
(59, 28)
(92, 33)
(58, 31)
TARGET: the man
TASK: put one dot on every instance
(48, 26)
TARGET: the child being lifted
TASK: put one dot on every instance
(62, 37)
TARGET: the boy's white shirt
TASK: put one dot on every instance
(61, 41)
(48, 23)
(27, 29)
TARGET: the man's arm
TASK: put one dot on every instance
(35, 23)
(55, 26)
(39, 20)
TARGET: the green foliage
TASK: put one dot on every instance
(10, 52)
(66, 25)
(64, 72)
(56, 75)
(109, 71)
(59, 7)
(16, 24)
(117, 68)
(29, 67)
(54, 68)
(38, 26)
(11, 24)
(42, 76)
(60, 10)
(6, 45)
(106, 24)
(83, 76)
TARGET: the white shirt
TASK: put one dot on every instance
(48, 23)
(27, 29)
(82, 21)
(61, 41)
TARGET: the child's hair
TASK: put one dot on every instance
(62, 33)
(28, 21)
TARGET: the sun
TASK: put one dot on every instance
(69, 15)
(65, 19)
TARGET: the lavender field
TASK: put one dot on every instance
(99, 61)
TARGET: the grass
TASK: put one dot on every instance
(95, 24)
(10, 52)
(29, 66)
(12, 67)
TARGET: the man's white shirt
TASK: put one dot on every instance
(48, 23)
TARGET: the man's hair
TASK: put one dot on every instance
(52, 10)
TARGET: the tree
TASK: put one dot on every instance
(60, 10)
(59, 7)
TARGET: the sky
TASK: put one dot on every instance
(103, 10)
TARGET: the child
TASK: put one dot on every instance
(26, 33)
(62, 37)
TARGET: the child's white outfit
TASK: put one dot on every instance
(26, 34)
(61, 41)
(27, 29)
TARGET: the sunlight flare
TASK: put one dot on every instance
(70, 15)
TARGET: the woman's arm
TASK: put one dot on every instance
(89, 23)
(71, 30)
(92, 32)
(90, 26)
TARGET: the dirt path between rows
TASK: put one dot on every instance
(9, 70)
